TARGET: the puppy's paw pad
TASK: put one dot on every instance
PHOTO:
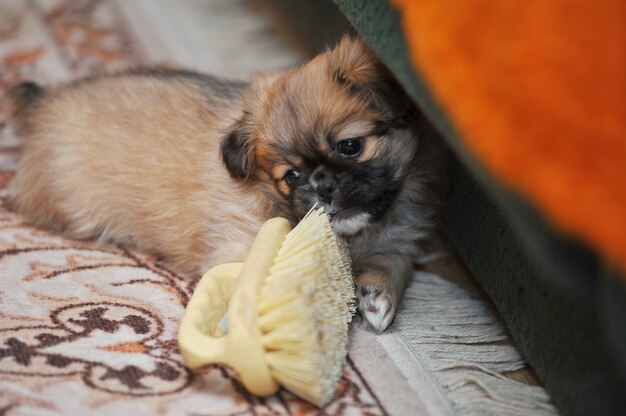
(376, 307)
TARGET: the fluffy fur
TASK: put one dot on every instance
(189, 166)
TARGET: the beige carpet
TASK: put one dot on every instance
(90, 329)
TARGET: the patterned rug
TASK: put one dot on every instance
(88, 328)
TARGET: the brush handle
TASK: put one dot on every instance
(200, 340)
(234, 287)
(247, 352)
(197, 338)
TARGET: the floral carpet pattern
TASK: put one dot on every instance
(87, 328)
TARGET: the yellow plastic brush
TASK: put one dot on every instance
(288, 306)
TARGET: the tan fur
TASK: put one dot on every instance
(189, 167)
(135, 159)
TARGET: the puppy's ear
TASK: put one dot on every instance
(238, 146)
(238, 152)
(354, 65)
(353, 61)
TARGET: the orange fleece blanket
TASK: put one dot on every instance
(537, 92)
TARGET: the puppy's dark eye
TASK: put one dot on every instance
(350, 147)
(291, 175)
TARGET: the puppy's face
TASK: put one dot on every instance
(334, 132)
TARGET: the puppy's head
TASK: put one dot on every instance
(335, 132)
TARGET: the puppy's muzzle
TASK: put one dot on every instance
(324, 183)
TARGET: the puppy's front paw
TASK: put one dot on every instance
(376, 301)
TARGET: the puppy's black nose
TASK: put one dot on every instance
(323, 181)
(325, 189)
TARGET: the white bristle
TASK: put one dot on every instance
(305, 306)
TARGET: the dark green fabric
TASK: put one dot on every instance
(560, 333)
(550, 290)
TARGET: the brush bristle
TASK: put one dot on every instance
(305, 306)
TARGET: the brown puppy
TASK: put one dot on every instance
(189, 167)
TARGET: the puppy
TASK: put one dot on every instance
(189, 166)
